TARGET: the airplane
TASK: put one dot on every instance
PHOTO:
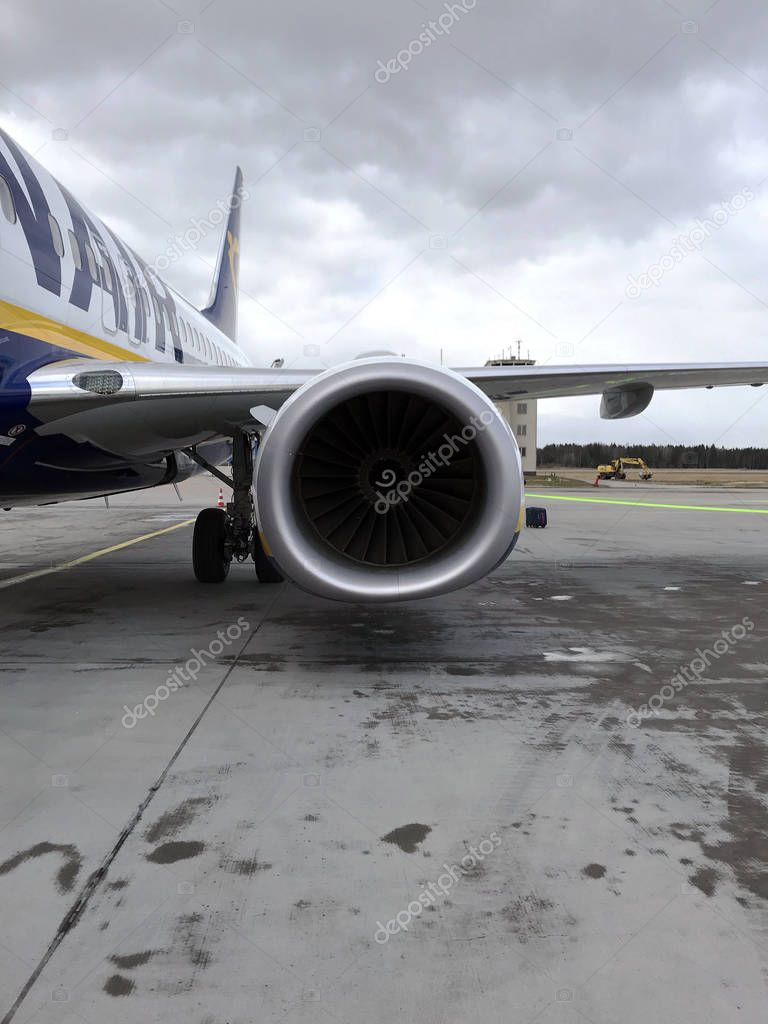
(381, 479)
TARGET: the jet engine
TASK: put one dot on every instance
(387, 480)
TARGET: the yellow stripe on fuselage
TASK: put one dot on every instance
(22, 321)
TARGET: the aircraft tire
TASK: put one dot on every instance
(209, 557)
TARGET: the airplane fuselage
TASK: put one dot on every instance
(71, 288)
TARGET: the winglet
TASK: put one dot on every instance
(222, 307)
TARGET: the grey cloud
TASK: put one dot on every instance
(667, 121)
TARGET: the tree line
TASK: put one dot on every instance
(658, 456)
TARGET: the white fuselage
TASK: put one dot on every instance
(66, 278)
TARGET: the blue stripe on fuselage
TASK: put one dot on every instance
(20, 474)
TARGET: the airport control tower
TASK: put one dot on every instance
(520, 413)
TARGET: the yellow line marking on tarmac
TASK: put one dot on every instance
(647, 504)
(37, 573)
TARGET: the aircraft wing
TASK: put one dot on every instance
(155, 406)
(145, 408)
(500, 382)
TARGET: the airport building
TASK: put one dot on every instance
(520, 413)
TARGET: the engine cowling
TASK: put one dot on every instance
(387, 480)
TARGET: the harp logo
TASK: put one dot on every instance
(233, 248)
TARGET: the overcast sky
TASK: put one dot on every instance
(504, 183)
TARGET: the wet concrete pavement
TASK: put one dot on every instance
(443, 811)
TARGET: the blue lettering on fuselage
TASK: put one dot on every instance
(33, 219)
(162, 302)
(83, 225)
(140, 320)
(82, 285)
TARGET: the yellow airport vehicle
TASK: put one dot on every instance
(617, 470)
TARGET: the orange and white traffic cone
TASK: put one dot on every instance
(220, 503)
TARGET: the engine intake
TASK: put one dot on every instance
(386, 480)
(359, 481)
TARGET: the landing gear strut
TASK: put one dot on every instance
(223, 534)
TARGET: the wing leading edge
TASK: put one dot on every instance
(571, 381)
(626, 390)
(144, 408)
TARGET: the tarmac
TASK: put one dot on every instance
(542, 798)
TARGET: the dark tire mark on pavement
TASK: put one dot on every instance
(75, 913)
(67, 873)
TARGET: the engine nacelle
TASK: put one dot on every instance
(387, 480)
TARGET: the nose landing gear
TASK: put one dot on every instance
(232, 532)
